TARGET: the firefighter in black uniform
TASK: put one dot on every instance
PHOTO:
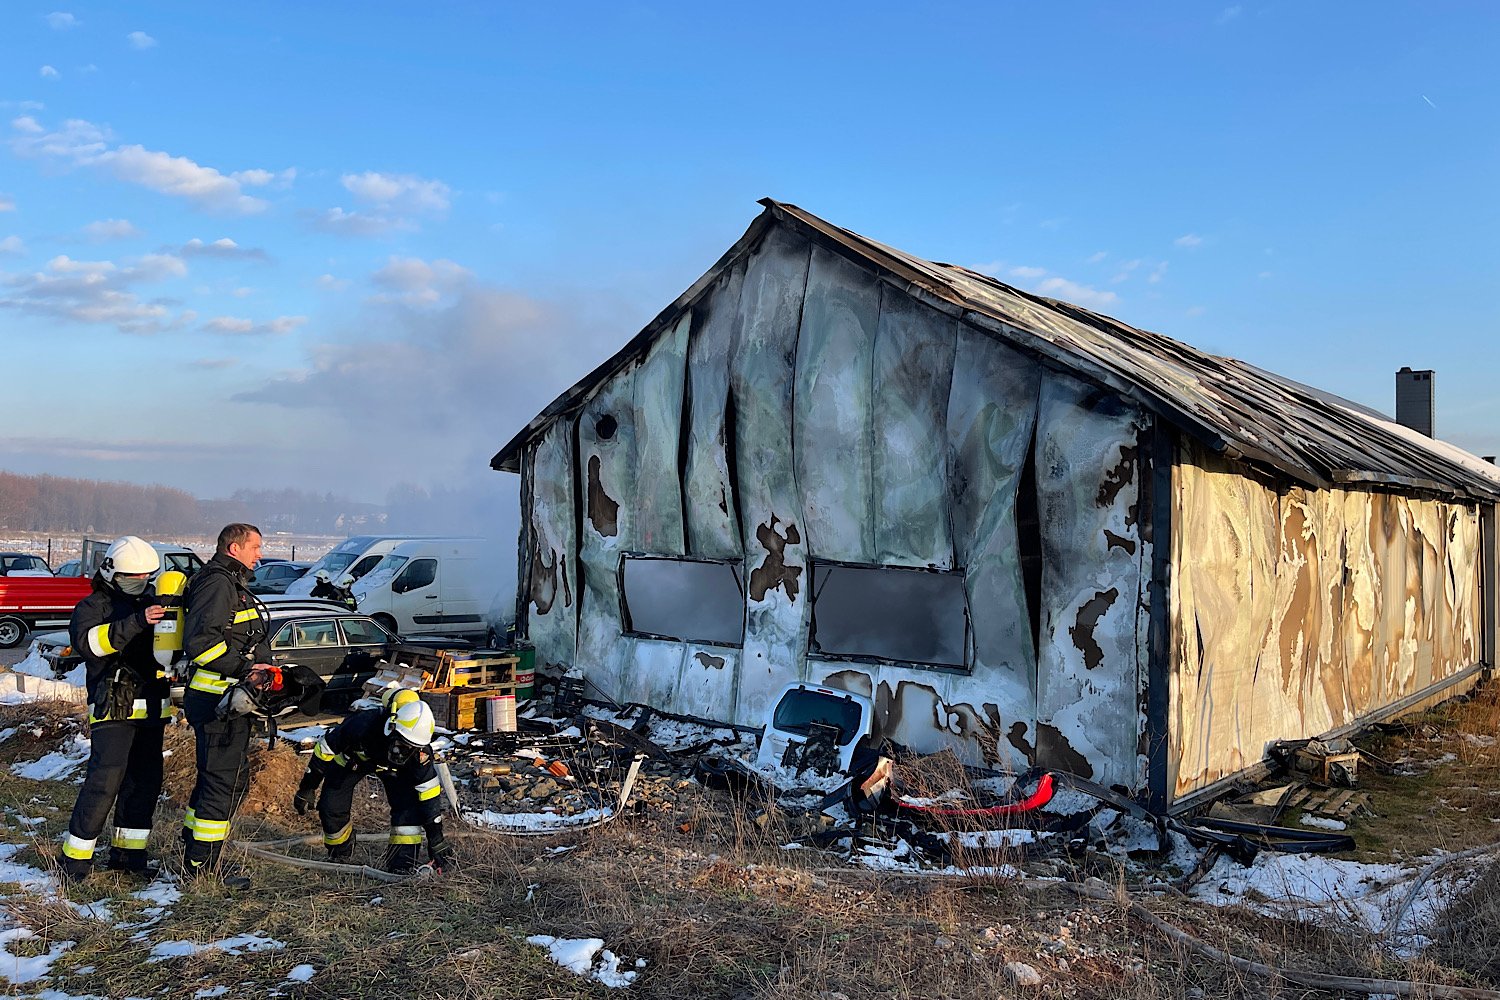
(224, 639)
(394, 744)
(129, 704)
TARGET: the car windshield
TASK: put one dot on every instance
(383, 571)
(336, 562)
(800, 708)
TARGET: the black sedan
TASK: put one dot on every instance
(343, 646)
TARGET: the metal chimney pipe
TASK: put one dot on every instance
(1414, 399)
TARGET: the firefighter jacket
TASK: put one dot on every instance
(360, 744)
(109, 629)
(225, 626)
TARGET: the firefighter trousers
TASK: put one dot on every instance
(410, 818)
(124, 774)
(221, 753)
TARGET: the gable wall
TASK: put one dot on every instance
(804, 410)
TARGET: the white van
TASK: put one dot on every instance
(354, 556)
(431, 586)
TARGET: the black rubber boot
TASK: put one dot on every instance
(341, 853)
(75, 870)
(401, 859)
(132, 861)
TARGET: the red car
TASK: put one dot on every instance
(30, 602)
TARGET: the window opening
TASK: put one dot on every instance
(888, 613)
(684, 599)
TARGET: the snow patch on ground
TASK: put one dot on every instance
(302, 973)
(56, 765)
(18, 689)
(303, 734)
(577, 955)
(26, 969)
(238, 945)
(37, 665)
(535, 821)
(1329, 891)
(1323, 823)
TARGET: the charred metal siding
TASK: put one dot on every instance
(1296, 612)
(829, 416)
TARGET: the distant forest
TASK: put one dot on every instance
(57, 504)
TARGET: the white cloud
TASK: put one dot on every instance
(180, 177)
(140, 40)
(1195, 311)
(47, 73)
(261, 178)
(81, 143)
(1027, 273)
(342, 223)
(238, 326)
(215, 363)
(417, 282)
(1188, 240)
(332, 284)
(1071, 291)
(96, 291)
(12, 246)
(223, 248)
(1098, 258)
(401, 193)
(1157, 273)
(7, 203)
(110, 229)
(1229, 14)
(61, 20)
(1043, 282)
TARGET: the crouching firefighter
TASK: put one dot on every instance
(394, 743)
(129, 704)
(224, 639)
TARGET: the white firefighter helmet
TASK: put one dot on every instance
(395, 696)
(412, 722)
(322, 575)
(346, 581)
(128, 555)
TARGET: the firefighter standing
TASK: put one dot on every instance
(394, 744)
(129, 704)
(225, 639)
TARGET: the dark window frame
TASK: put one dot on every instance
(405, 571)
(627, 627)
(815, 652)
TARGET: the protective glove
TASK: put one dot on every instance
(444, 858)
(305, 799)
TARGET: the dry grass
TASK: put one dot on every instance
(703, 891)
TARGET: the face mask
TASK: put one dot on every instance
(134, 586)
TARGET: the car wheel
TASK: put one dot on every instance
(388, 623)
(12, 631)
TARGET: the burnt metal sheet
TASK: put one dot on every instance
(608, 488)
(833, 409)
(1088, 468)
(777, 602)
(913, 372)
(705, 681)
(552, 591)
(990, 422)
(709, 503)
(658, 435)
(1301, 612)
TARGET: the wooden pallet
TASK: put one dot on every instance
(465, 707)
(1337, 803)
(459, 667)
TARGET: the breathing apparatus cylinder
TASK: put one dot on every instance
(167, 639)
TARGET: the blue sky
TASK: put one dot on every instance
(343, 246)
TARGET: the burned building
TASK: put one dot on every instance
(1025, 529)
